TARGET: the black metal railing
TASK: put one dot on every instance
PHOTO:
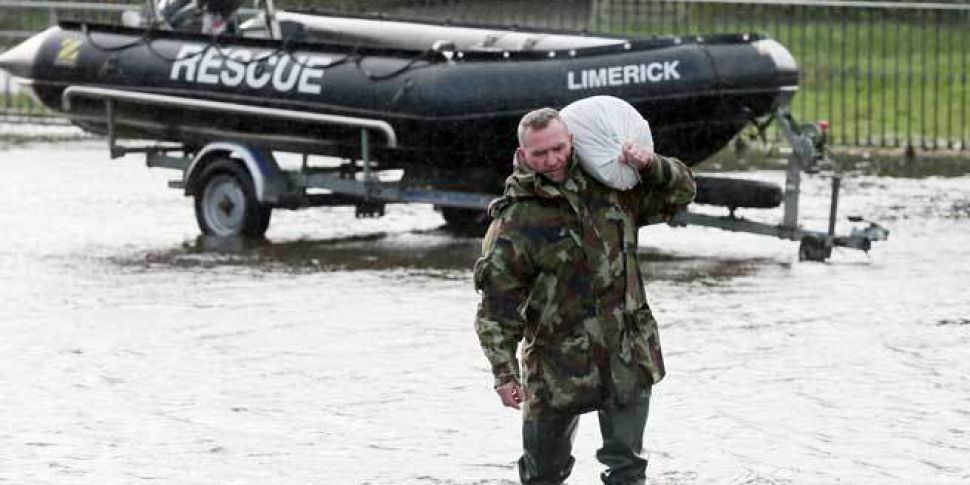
(884, 74)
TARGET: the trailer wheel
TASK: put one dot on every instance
(226, 204)
(466, 222)
(735, 193)
(813, 248)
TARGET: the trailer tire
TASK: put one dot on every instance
(814, 248)
(735, 193)
(466, 222)
(226, 203)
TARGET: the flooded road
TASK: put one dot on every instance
(342, 352)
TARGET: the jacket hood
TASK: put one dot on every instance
(523, 182)
(526, 183)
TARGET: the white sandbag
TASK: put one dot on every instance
(600, 125)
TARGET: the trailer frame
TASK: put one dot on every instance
(358, 183)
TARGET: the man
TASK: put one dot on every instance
(559, 272)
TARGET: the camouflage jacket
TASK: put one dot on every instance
(559, 273)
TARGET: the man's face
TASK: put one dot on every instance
(546, 150)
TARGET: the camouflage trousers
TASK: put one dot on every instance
(548, 441)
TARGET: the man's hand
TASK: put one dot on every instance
(637, 157)
(511, 394)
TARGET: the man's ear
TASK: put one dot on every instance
(520, 154)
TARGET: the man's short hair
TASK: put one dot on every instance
(536, 120)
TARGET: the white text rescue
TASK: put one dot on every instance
(235, 67)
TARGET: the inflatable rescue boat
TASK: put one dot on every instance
(451, 95)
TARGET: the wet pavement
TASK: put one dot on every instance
(342, 350)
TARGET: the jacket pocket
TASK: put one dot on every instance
(643, 335)
(478, 273)
(563, 377)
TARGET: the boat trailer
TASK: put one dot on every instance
(236, 181)
(808, 154)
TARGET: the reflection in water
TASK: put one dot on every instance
(954, 321)
(662, 266)
(419, 250)
(436, 250)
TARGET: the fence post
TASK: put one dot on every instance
(6, 92)
(963, 92)
(594, 16)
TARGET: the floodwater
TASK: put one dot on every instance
(342, 352)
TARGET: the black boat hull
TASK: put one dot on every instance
(450, 110)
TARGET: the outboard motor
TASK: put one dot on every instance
(215, 16)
